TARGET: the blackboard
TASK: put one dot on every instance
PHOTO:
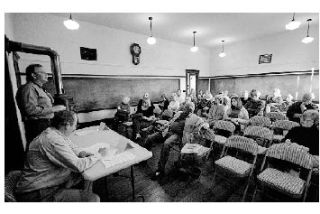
(92, 93)
(288, 84)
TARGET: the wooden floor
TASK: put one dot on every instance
(175, 187)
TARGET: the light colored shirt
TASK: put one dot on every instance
(174, 106)
(192, 127)
(51, 159)
(34, 103)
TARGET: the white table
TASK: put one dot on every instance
(87, 137)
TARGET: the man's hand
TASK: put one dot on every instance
(84, 154)
(103, 151)
(58, 108)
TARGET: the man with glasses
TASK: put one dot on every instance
(35, 103)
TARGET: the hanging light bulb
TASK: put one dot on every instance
(222, 53)
(293, 24)
(307, 39)
(71, 24)
(194, 48)
(151, 40)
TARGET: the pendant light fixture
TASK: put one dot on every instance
(293, 24)
(307, 39)
(71, 24)
(222, 53)
(151, 40)
(194, 48)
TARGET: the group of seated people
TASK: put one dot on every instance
(186, 117)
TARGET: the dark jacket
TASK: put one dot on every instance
(295, 109)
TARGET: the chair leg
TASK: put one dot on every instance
(209, 153)
(254, 193)
(246, 190)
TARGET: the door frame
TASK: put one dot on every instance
(188, 72)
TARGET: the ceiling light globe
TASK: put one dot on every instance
(194, 49)
(307, 40)
(222, 54)
(151, 40)
(71, 24)
(293, 25)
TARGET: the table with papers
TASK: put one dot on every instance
(121, 152)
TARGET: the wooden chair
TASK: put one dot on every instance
(233, 166)
(260, 121)
(283, 182)
(11, 180)
(223, 130)
(280, 129)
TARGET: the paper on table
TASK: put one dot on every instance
(85, 132)
(194, 149)
(111, 151)
(118, 159)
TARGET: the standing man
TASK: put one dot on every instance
(35, 103)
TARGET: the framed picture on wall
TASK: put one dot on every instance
(265, 58)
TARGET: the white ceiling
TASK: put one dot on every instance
(211, 27)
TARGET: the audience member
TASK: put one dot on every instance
(174, 103)
(163, 105)
(143, 118)
(254, 106)
(217, 110)
(296, 109)
(245, 97)
(123, 112)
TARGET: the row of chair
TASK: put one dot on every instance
(234, 165)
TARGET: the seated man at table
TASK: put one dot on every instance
(54, 164)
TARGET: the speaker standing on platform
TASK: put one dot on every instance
(35, 103)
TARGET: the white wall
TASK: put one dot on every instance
(288, 54)
(166, 58)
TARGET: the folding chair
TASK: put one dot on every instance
(260, 121)
(283, 182)
(262, 135)
(232, 166)
(10, 183)
(280, 129)
(274, 116)
(223, 130)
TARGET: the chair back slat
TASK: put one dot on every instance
(291, 152)
(274, 116)
(258, 131)
(284, 124)
(260, 121)
(243, 143)
(225, 125)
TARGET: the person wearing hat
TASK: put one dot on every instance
(296, 109)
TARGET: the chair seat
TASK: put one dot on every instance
(234, 165)
(284, 182)
(220, 139)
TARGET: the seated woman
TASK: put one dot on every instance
(254, 105)
(164, 103)
(286, 103)
(174, 104)
(123, 112)
(245, 97)
(274, 102)
(296, 109)
(204, 105)
(146, 98)
(237, 113)
(53, 165)
(143, 118)
(217, 110)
